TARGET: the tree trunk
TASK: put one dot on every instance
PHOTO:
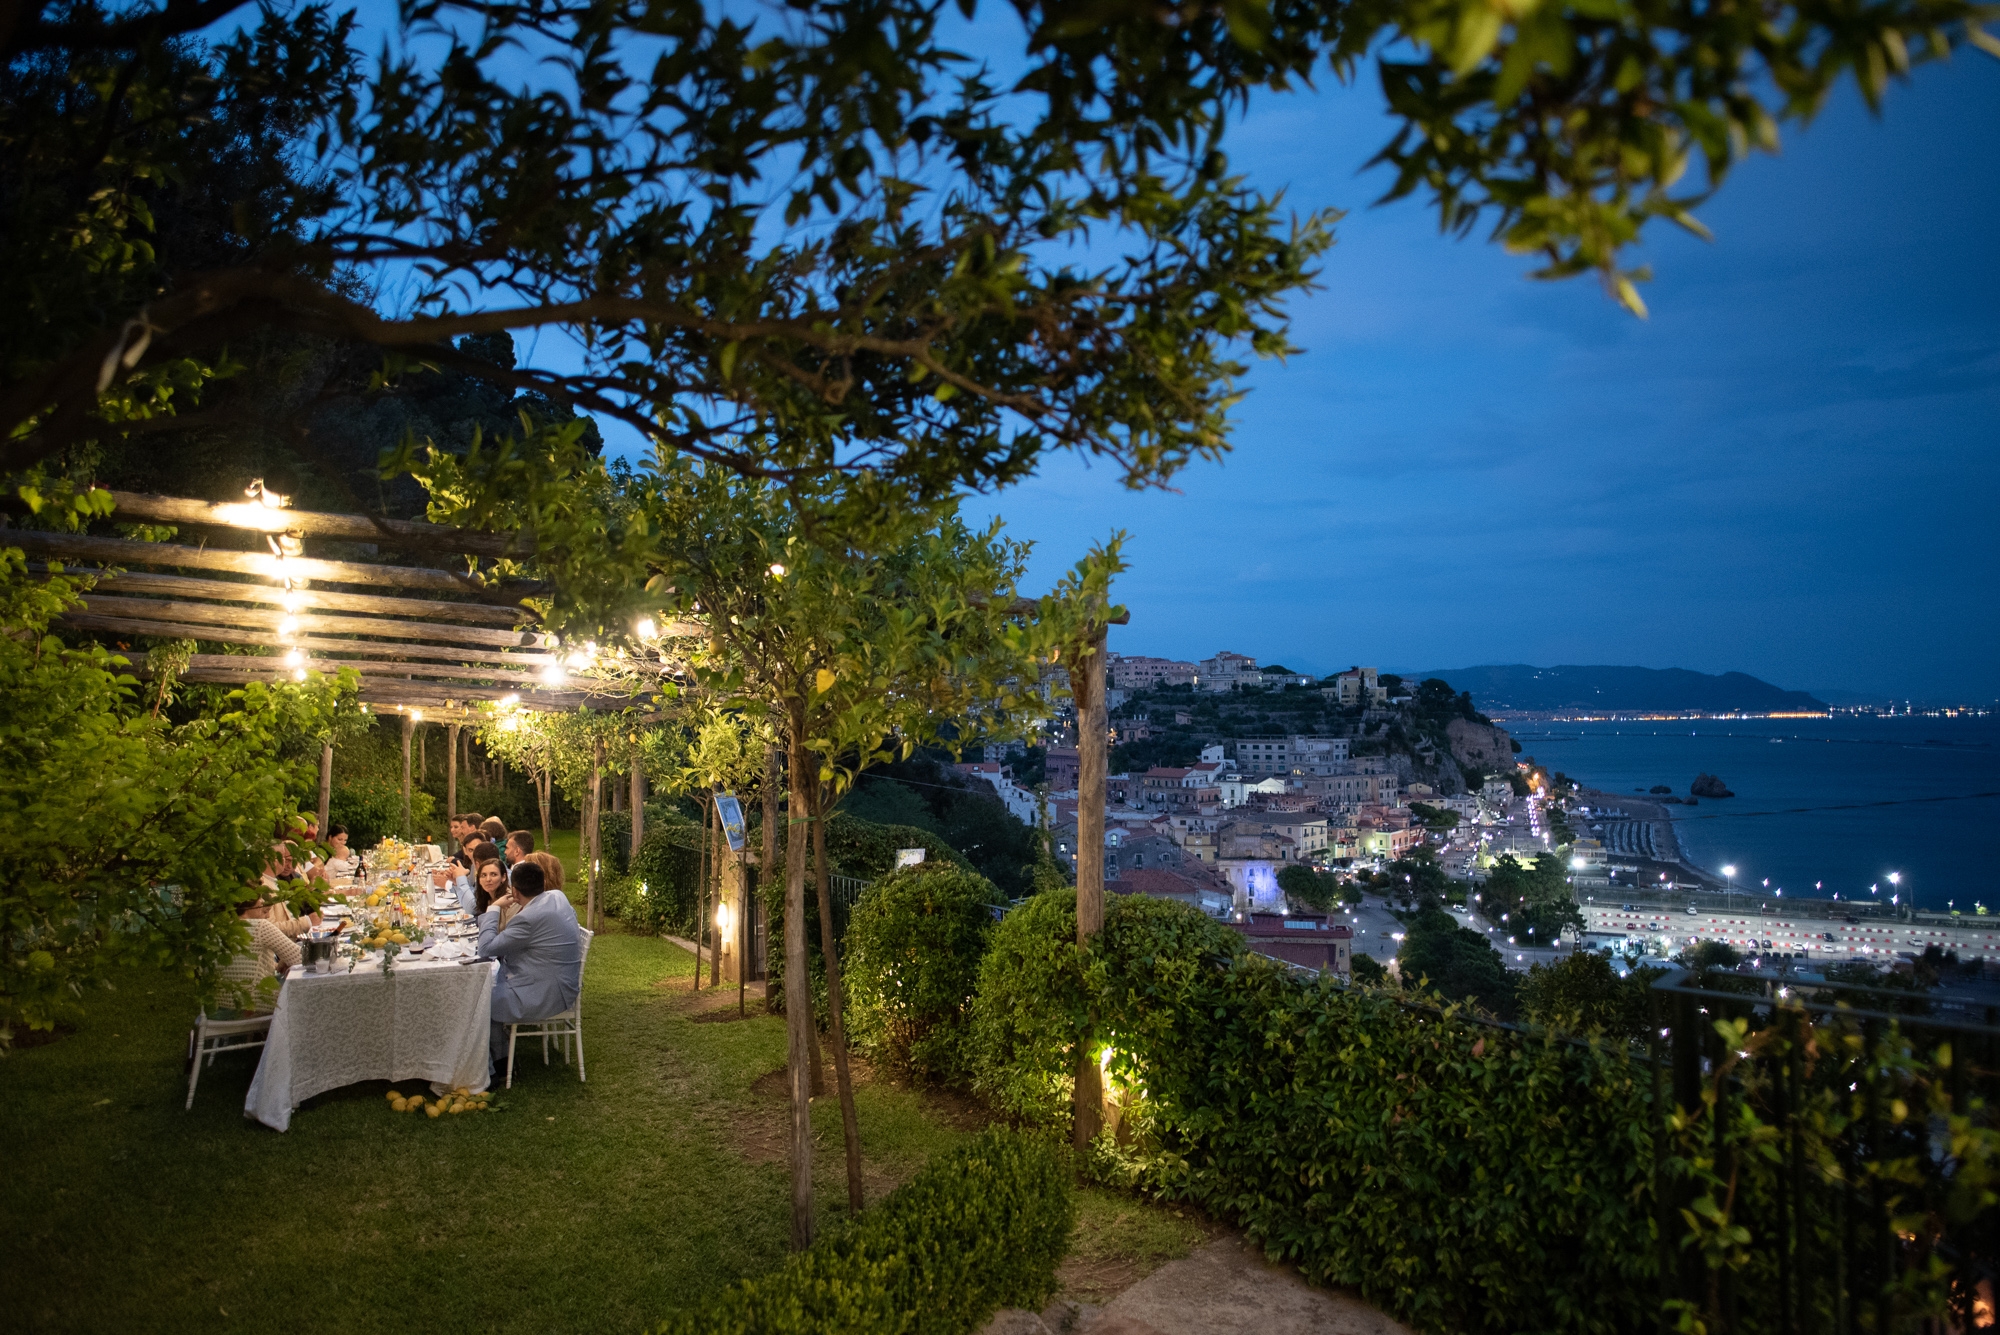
(423, 756)
(721, 845)
(409, 729)
(836, 1026)
(701, 885)
(325, 786)
(798, 992)
(592, 842)
(767, 867)
(541, 782)
(451, 771)
(638, 806)
(1086, 681)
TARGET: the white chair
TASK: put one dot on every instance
(210, 1037)
(562, 1027)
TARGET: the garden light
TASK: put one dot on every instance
(294, 659)
(646, 628)
(777, 571)
(722, 918)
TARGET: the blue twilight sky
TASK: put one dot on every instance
(1789, 470)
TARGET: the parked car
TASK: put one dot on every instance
(1827, 935)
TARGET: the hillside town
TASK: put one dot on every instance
(1372, 784)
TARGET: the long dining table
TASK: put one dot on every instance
(418, 1019)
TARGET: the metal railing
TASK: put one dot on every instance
(1852, 1142)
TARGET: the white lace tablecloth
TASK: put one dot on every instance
(426, 1021)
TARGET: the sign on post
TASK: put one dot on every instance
(730, 812)
(909, 857)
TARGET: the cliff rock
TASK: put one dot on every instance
(1709, 785)
(1483, 746)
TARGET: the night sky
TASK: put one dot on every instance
(1788, 470)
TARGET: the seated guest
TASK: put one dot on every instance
(489, 884)
(552, 868)
(341, 862)
(269, 950)
(540, 952)
(281, 881)
(493, 830)
(463, 829)
(519, 844)
(463, 885)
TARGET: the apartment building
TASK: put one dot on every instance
(1289, 755)
(1138, 673)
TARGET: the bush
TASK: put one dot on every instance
(1037, 992)
(913, 951)
(1462, 1177)
(856, 848)
(657, 892)
(980, 1228)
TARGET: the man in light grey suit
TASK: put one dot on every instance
(540, 953)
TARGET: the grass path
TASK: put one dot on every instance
(599, 1205)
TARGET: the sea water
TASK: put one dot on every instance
(1822, 806)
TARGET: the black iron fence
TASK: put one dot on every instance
(1825, 1163)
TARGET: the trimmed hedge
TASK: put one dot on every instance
(913, 951)
(1037, 991)
(982, 1227)
(657, 892)
(1461, 1177)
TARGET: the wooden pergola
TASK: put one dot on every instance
(431, 644)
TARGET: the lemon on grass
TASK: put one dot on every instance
(434, 1110)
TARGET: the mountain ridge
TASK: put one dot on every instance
(1605, 686)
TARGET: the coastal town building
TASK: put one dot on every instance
(1020, 803)
(1358, 686)
(1138, 673)
(1310, 941)
(1295, 754)
(1226, 671)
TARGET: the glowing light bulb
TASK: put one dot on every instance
(417, 714)
(554, 675)
(778, 571)
(295, 659)
(288, 626)
(646, 629)
(510, 724)
(509, 700)
(292, 601)
(299, 675)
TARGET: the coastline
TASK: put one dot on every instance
(1666, 844)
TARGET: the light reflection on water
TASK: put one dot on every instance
(1945, 849)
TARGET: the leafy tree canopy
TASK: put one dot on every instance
(819, 239)
(1456, 962)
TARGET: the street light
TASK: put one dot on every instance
(1729, 875)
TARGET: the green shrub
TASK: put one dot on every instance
(856, 848)
(1038, 994)
(982, 1227)
(913, 951)
(657, 892)
(1462, 1177)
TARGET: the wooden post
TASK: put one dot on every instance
(409, 731)
(591, 843)
(1086, 683)
(798, 991)
(325, 785)
(638, 804)
(451, 772)
(850, 1127)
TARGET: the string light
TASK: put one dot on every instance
(295, 659)
(647, 629)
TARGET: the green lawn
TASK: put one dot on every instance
(598, 1205)
(575, 1206)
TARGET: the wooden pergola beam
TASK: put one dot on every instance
(406, 534)
(422, 694)
(181, 630)
(217, 590)
(206, 614)
(373, 669)
(72, 547)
